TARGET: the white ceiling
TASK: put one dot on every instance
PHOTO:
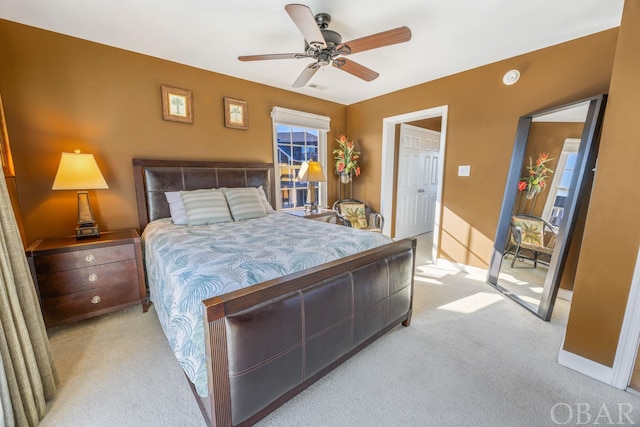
(449, 36)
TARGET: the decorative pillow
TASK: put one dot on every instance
(176, 207)
(265, 203)
(532, 230)
(355, 213)
(244, 203)
(205, 207)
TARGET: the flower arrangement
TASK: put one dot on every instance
(535, 182)
(346, 157)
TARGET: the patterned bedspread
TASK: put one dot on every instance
(186, 265)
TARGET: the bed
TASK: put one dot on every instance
(266, 342)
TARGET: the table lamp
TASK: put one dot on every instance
(311, 171)
(78, 171)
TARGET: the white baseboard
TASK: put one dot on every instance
(585, 366)
(565, 294)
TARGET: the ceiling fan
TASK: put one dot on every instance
(325, 45)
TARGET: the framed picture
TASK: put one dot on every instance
(236, 114)
(177, 104)
(5, 149)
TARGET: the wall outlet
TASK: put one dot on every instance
(464, 170)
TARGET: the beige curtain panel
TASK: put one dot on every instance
(27, 373)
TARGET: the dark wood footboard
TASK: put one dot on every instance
(267, 343)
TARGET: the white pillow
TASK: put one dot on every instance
(205, 207)
(265, 203)
(176, 207)
(244, 203)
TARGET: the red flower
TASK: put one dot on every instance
(346, 157)
(522, 186)
(543, 157)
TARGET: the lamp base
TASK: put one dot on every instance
(87, 231)
(310, 206)
(309, 209)
(87, 226)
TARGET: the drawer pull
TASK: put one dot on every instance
(93, 277)
(89, 258)
(95, 300)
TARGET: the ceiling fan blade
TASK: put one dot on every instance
(386, 38)
(272, 56)
(356, 69)
(306, 75)
(306, 23)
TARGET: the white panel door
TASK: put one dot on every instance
(417, 181)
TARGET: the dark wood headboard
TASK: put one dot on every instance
(154, 177)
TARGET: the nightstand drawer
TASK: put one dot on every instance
(70, 273)
(82, 279)
(84, 258)
(81, 305)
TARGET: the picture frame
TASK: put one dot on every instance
(236, 114)
(177, 104)
(5, 148)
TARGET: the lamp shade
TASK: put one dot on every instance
(78, 171)
(311, 171)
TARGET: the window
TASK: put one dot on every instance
(559, 189)
(297, 137)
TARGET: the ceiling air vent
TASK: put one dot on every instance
(316, 87)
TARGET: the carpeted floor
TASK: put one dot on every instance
(469, 358)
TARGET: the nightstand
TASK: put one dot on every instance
(324, 215)
(78, 279)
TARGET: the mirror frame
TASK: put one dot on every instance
(580, 186)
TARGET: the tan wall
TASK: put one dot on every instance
(483, 115)
(434, 123)
(545, 138)
(612, 230)
(62, 93)
(549, 138)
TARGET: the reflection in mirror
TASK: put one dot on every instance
(548, 175)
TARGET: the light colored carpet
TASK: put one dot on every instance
(469, 358)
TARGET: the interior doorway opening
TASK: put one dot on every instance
(388, 188)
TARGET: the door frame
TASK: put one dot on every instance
(387, 188)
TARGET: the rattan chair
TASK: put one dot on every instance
(357, 214)
(532, 238)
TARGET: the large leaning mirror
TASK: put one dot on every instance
(549, 182)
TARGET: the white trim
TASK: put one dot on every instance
(629, 334)
(585, 366)
(287, 117)
(388, 161)
(571, 145)
(565, 294)
(300, 118)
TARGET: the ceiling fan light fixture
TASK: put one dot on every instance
(324, 58)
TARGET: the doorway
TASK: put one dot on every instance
(417, 186)
(388, 189)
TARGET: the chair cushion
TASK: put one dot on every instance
(532, 230)
(355, 213)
